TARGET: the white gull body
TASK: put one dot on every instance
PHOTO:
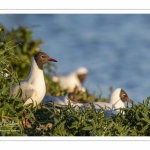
(33, 88)
(71, 80)
(60, 100)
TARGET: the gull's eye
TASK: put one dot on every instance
(43, 56)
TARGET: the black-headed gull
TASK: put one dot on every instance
(33, 88)
(72, 80)
(117, 100)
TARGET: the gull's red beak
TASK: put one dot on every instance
(51, 59)
(130, 101)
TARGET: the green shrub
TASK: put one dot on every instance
(11, 108)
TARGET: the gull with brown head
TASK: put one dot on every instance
(72, 80)
(33, 88)
(117, 100)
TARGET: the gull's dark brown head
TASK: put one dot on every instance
(41, 58)
(81, 74)
(124, 97)
(82, 77)
(78, 97)
(73, 97)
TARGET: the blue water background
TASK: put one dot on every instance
(115, 48)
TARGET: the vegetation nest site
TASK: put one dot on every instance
(16, 49)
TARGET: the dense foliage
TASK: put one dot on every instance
(16, 48)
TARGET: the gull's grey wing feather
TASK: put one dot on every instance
(27, 90)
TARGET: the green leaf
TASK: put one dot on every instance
(88, 128)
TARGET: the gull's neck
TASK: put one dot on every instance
(118, 104)
(34, 72)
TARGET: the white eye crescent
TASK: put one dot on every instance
(123, 95)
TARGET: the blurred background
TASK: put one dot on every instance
(115, 48)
